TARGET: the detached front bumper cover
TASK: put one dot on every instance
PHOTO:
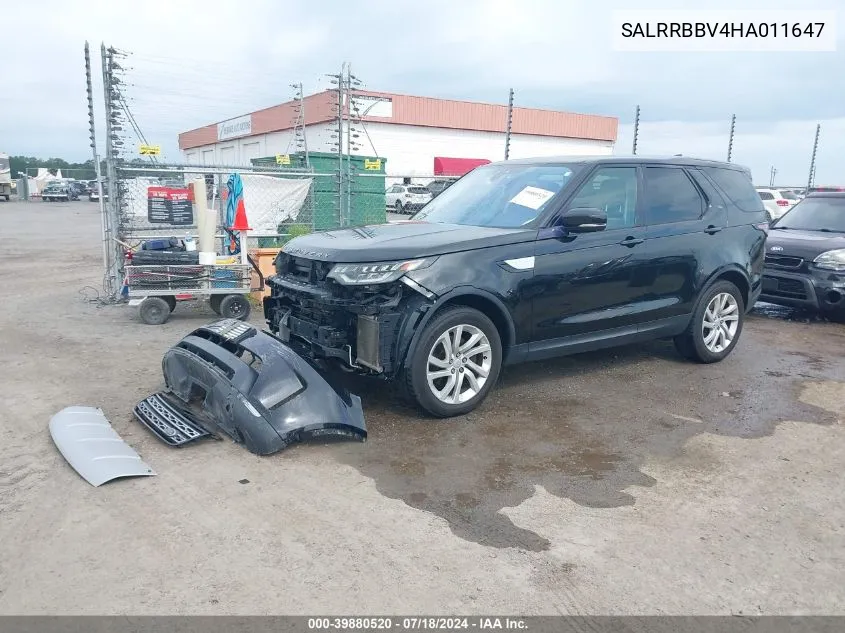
(257, 390)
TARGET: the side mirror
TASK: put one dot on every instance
(585, 220)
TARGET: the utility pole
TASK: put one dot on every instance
(812, 176)
(509, 125)
(89, 89)
(338, 79)
(348, 143)
(299, 136)
(731, 138)
(111, 284)
(772, 173)
(636, 130)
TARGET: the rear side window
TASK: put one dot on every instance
(765, 195)
(736, 185)
(671, 196)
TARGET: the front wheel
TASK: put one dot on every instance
(399, 209)
(234, 307)
(715, 326)
(456, 362)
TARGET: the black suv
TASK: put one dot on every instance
(805, 256)
(525, 260)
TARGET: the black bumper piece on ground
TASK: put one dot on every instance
(171, 423)
(257, 390)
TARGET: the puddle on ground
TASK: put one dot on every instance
(786, 313)
(581, 427)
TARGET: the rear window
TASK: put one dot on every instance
(417, 190)
(789, 195)
(736, 185)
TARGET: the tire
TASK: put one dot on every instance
(154, 310)
(422, 390)
(171, 302)
(692, 343)
(399, 208)
(214, 302)
(234, 307)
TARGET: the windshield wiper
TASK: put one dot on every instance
(783, 228)
(830, 231)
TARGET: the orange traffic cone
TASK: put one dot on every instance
(240, 218)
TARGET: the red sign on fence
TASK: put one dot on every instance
(169, 205)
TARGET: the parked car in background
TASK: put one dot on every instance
(94, 194)
(526, 260)
(407, 198)
(79, 187)
(777, 201)
(805, 256)
(58, 192)
(436, 187)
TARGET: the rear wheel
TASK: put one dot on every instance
(234, 307)
(456, 362)
(171, 302)
(715, 326)
(154, 310)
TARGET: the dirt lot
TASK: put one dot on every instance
(616, 482)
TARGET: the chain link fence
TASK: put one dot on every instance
(156, 202)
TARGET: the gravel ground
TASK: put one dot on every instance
(620, 482)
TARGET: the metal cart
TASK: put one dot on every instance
(155, 289)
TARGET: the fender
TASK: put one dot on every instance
(417, 326)
(732, 267)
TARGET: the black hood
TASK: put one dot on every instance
(400, 240)
(805, 244)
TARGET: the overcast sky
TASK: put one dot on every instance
(196, 62)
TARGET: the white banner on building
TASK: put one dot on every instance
(269, 201)
(233, 128)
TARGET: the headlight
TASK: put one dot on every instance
(376, 272)
(831, 260)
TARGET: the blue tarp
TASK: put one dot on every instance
(235, 191)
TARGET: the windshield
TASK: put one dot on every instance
(789, 195)
(500, 195)
(815, 214)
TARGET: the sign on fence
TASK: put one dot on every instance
(168, 205)
(149, 150)
(282, 159)
(372, 165)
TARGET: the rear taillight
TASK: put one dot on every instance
(783, 203)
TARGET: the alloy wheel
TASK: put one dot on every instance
(458, 364)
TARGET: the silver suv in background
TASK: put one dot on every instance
(407, 198)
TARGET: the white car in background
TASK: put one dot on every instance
(777, 201)
(407, 198)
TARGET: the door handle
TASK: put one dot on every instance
(631, 241)
(710, 230)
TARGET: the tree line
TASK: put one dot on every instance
(79, 171)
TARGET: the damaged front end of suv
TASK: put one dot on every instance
(358, 315)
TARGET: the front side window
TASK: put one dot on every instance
(614, 191)
(500, 195)
(671, 196)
